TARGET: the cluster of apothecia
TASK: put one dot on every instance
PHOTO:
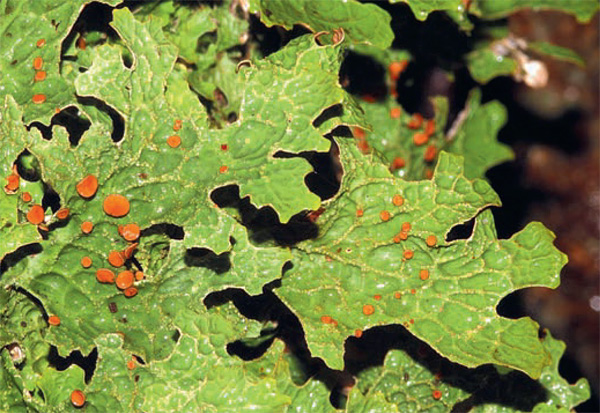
(174, 141)
(397, 201)
(36, 214)
(423, 129)
(116, 206)
(40, 74)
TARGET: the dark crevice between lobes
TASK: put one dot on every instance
(86, 363)
(263, 224)
(461, 231)
(279, 323)
(326, 177)
(94, 17)
(13, 258)
(514, 390)
(68, 118)
(36, 301)
(334, 111)
(118, 123)
(206, 258)
(170, 230)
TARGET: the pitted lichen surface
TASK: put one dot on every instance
(169, 298)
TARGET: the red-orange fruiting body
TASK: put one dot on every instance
(384, 215)
(359, 133)
(54, 320)
(38, 62)
(130, 292)
(39, 76)
(430, 153)
(86, 262)
(116, 205)
(105, 275)
(77, 398)
(396, 68)
(125, 280)
(130, 232)
(416, 121)
(326, 319)
(398, 163)
(116, 259)
(87, 187)
(420, 139)
(174, 141)
(368, 309)
(430, 127)
(87, 227)
(36, 215)
(62, 213)
(40, 98)
(13, 182)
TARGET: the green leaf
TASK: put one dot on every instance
(23, 25)
(362, 23)
(583, 10)
(280, 89)
(357, 266)
(484, 63)
(506, 56)
(210, 51)
(474, 136)
(413, 378)
(30, 380)
(15, 230)
(454, 8)
(562, 395)
(557, 52)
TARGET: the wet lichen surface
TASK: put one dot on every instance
(208, 213)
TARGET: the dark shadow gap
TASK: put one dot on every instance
(75, 125)
(28, 166)
(45, 131)
(263, 224)
(331, 112)
(170, 230)
(118, 122)
(269, 309)
(484, 383)
(67, 118)
(13, 258)
(51, 199)
(36, 301)
(206, 258)
(461, 231)
(87, 363)
(95, 17)
(511, 306)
